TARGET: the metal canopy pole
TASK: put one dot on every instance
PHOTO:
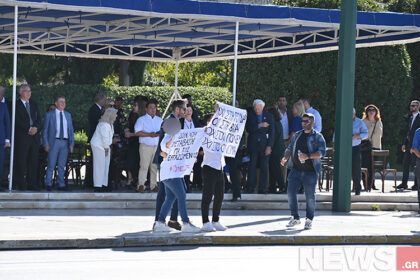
(12, 141)
(176, 94)
(235, 63)
(344, 107)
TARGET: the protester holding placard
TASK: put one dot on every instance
(213, 185)
(179, 150)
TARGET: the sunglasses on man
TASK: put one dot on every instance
(306, 121)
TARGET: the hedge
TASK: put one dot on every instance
(80, 97)
(382, 78)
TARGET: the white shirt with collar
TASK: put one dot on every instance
(149, 125)
(414, 118)
(285, 123)
(57, 117)
(99, 106)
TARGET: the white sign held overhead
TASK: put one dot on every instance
(224, 132)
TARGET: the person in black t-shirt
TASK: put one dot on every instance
(305, 152)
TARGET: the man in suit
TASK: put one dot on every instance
(409, 159)
(4, 134)
(95, 113)
(260, 126)
(27, 140)
(7, 102)
(286, 122)
(57, 140)
(5, 153)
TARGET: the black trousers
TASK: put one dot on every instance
(356, 168)
(408, 161)
(27, 157)
(275, 174)
(213, 185)
(198, 176)
(234, 169)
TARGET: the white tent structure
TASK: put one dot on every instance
(182, 30)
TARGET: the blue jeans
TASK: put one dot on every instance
(57, 155)
(308, 179)
(175, 189)
(160, 198)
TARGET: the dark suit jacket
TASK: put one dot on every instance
(408, 141)
(259, 137)
(23, 122)
(4, 123)
(94, 115)
(9, 107)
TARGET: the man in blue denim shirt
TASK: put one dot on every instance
(305, 152)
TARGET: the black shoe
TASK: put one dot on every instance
(402, 186)
(236, 198)
(357, 193)
(49, 188)
(374, 188)
(414, 188)
(97, 190)
(106, 189)
(174, 225)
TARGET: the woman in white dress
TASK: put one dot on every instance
(100, 144)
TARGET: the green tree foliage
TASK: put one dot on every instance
(213, 74)
(362, 5)
(41, 70)
(382, 78)
(410, 6)
(80, 97)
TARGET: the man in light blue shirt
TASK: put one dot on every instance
(360, 132)
(318, 119)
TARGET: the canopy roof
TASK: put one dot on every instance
(168, 30)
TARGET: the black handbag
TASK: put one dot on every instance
(366, 145)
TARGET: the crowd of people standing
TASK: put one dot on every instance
(274, 135)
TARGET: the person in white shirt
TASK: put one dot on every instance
(147, 128)
(213, 185)
(318, 119)
(100, 144)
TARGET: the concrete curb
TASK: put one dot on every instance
(204, 240)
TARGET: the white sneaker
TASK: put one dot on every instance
(293, 222)
(208, 227)
(190, 228)
(218, 226)
(308, 224)
(161, 227)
